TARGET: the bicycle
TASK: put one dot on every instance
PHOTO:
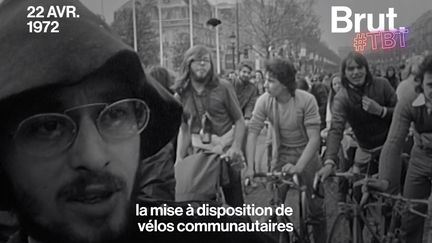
(301, 232)
(352, 215)
(347, 226)
(400, 206)
(201, 177)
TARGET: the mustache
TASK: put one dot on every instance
(105, 182)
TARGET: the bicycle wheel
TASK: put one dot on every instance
(340, 231)
(284, 237)
(305, 230)
(293, 200)
(279, 236)
(374, 224)
(298, 202)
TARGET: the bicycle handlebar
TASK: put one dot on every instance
(277, 174)
(405, 203)
(270, 174)
(401, 198)
(236, 164)
(347, 175)
(281, 176)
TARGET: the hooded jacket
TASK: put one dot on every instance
(84, 44)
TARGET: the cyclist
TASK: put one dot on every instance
(294, 118)
(367, 104)
(416, 108)
(76, 126)
(213, 120)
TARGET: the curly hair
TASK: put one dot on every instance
(284, 71)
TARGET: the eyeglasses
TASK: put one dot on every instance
(200, 61)
(49, 134)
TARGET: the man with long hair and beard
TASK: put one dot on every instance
(212, 120)
(366, 103)
(79, 118)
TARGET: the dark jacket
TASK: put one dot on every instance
(247, 94)
(84, 45)
(370, 130)
(320, 92)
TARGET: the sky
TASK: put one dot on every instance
(407, 12)
(109, 6)
(104, 7)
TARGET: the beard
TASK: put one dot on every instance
(61, 232)
(27, 208)
(200, 78)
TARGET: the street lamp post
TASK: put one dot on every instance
(233, 40)
(214, 22)
(191, 23)
(161, 56)
(134, 26)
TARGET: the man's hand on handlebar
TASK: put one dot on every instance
(292, 169)
(375, 184)
(234, 158)
(325, 172)
(234, 154)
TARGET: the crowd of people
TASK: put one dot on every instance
(353, 113)
(87, 133)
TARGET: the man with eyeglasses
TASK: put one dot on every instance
(212, 122)
(79, 117)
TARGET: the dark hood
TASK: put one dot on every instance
(84, 45)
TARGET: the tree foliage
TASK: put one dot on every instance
(181, 45)
(270, 23)
(147, 37)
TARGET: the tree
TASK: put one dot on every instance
(269, 24)
(147, 37)
(181, 45)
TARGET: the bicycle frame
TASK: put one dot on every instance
(400, 205)
(277, 178)
(355, 213)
